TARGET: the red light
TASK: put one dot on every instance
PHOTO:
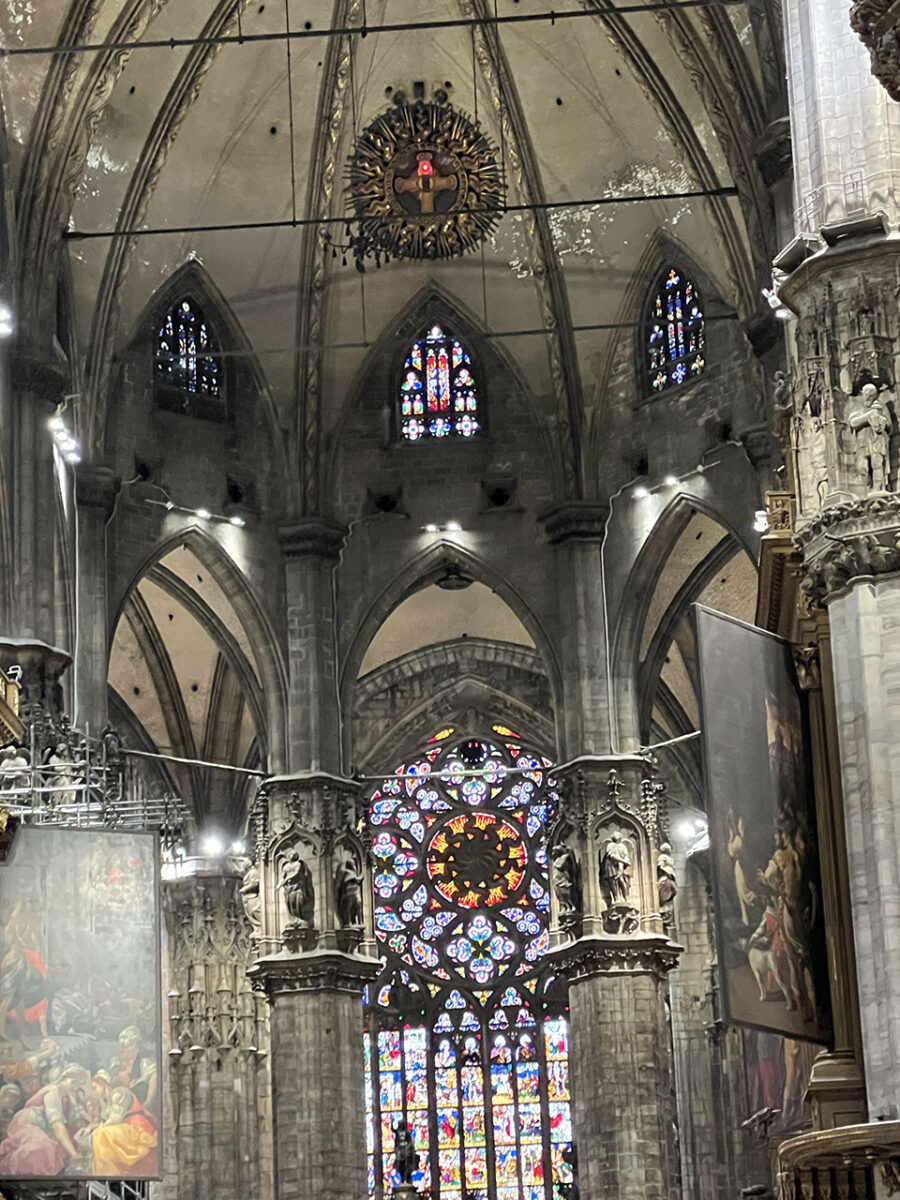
(425, 167)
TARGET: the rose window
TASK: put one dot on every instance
(466, 1027)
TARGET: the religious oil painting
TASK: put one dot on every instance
(762, 831)
(79, 1006)
(777, 1070)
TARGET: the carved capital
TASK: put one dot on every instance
(41, 377)
(95, 486)
(317, 971)
(318, 803)
(848, 541)
(576, 520)
(313, 537)
(638, 954)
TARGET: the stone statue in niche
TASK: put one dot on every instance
(112, 745)
(783, 405)
(406, 1160)
(250, 897)
(615, 870)
(621, 916)
(348, 893)
(299, 893)
(872, 426)
(565, 873)
(811, 458)
(666, 883)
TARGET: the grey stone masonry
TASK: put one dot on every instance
(314, 923)
(611, 943)
(865, 622)
(316, 1021)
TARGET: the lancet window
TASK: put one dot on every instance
(438, 396)
(187, 359)
(674, 337)
(466, 1028)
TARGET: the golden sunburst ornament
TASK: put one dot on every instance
(424, 182)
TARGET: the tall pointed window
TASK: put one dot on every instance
(466, 1028)
(438, 397)
(674, 337)
(187, 371)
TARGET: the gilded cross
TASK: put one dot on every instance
(426, 183)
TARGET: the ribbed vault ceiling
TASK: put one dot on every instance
(211, 133)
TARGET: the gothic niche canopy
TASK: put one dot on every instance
(424, 182)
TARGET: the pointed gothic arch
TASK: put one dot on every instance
(270, 703)
(501, 384)
(425, 569)
(242, 378)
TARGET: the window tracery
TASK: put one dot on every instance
(675, 335)
(466, 1030)
(186, 358)
(438, 396)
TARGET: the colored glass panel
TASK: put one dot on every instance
(186, 352)
(438, 394)
(478, 1071)
(675, 333)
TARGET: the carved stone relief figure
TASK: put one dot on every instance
(615, 870)
(811, 458)
(667, 884)
(348, 893)
(783, 408)
(872, 425)
(565, 873)
(299, 893)
(250, 897)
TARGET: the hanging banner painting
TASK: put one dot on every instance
(762, 832)
(79, 1006)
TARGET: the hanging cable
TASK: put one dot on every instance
(290, 91)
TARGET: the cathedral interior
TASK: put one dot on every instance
(449, 599)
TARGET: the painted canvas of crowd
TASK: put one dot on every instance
(79, 1004)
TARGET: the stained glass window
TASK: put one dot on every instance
(438, 397)
(466, 1027)
(675, 343)
(186, 354)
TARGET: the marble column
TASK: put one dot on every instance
(610, 942)
(839, 276)
(37, 388)
(576, 529)
(836, 1091)
(312, 549)
(95, 493)
(315, 942)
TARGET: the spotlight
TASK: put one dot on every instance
(72, 456)
(212, 845)
(238, 521)
(453, 527)
(761, 520)
(6, 321)
(686, 830)
(640, 492)
(238, 848)
(57, 424)
(203, 513)
(671, 481)
(430, 528)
